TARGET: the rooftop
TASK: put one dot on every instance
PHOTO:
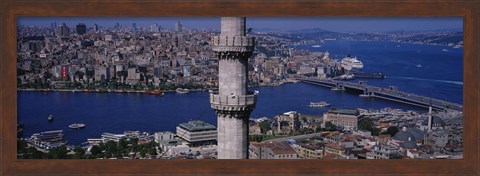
(335, 146)
(344, 111)
(278, 148)
(197, 125)
(312, 145)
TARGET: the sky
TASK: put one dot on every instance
(336, 24)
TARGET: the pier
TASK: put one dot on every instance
(391, 93)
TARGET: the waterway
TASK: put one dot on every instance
(441, 76)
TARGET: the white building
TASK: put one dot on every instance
(342, 117)
(162, 136)
(197, 132)
(113, 137)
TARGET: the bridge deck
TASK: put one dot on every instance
(388, 94)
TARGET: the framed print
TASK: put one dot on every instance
(291, 87)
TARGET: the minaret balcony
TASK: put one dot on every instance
(233, 43)
(233, 102)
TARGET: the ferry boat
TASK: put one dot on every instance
(154, 92)
(76, 126)
(350, 63)
(50, 118)
(319, 104)
(347, 77)
(182, 91)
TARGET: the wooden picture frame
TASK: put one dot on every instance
(10, 10)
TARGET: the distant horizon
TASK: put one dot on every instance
(335, 24)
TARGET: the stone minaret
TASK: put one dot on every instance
(233, 103)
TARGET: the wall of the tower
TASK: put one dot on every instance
(233, 77)
(232, 138)
(233, 26)
(232, 102)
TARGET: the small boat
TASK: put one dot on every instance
(319, 104)
(316, 46)
(154, 92)
(50, 118)
(338, 89)
(364, 95)
(182, 91)
(444, 50)
(419, 65)
(76, 126)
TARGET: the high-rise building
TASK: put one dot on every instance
(178, 26)
(64, 31)
(233, 103)
(64, 72)
(95, 28)
(81, 28)
(134, 26)
(154, 27)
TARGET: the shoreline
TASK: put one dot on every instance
(275, 84)
(105, 91)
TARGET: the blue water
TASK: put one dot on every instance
(441, 74)
(440, 77)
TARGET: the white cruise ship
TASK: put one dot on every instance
(349, 63)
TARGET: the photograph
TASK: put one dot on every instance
(287, 87)
(323, 88)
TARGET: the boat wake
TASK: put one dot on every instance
(431, 80)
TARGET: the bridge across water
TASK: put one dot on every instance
(390, 93)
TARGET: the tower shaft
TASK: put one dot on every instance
(233, 103)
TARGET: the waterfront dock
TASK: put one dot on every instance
(391, 93)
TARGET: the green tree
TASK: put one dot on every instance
(111, 147)
(367, 124)
(264, 126)
(329, 126)
(79, 153)
(291, 71)
(96, 150)
(35, 154)
(392, 130)
(58, 153)
(143, 153)
(21, 145)
(79, 74)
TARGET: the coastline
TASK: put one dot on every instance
(104, 91)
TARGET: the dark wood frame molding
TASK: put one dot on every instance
(10, 10)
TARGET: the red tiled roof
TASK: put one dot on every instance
(332, 156)
(334, 146)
